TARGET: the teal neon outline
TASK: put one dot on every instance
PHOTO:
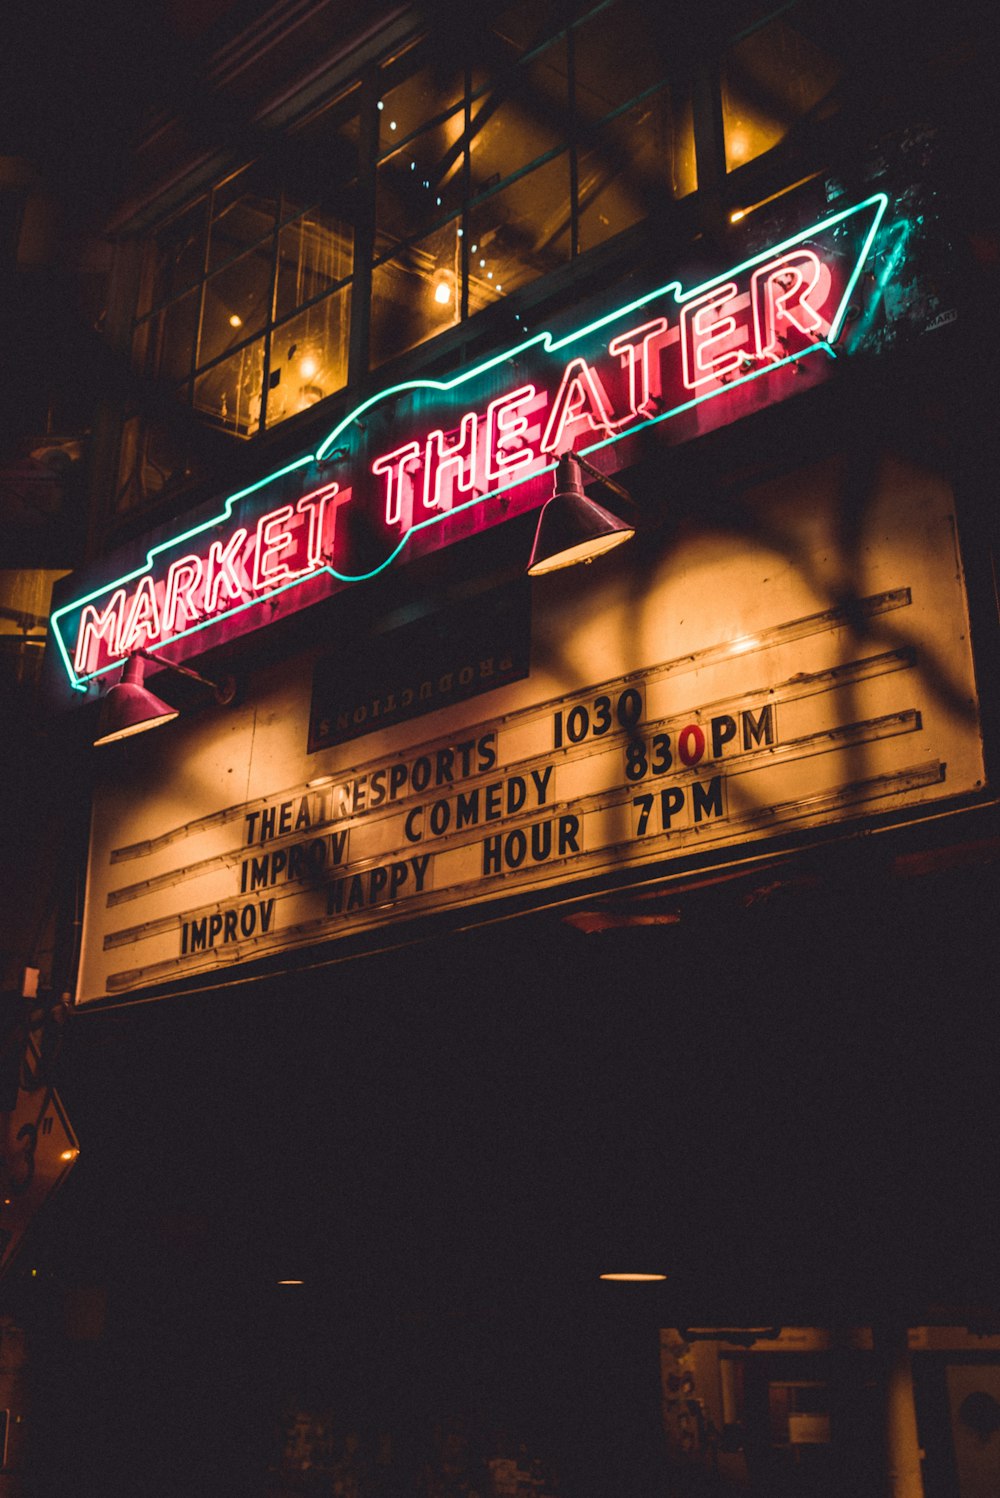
(547, 345)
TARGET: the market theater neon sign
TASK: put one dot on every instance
(471, 449)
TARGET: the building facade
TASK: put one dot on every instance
(693, 849)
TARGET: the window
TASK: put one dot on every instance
(485, 178)
(779, 75)
(304, 271)
(488, 182)
(245, 310)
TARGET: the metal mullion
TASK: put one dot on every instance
(463, 259)
(411, 239)
(269, 321)
(364, 231)
(709, 143)
(574, 165)
(313, 301)
(202, 284)
(432, 124)
(230, 353)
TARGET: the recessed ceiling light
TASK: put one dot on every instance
(632, 1275)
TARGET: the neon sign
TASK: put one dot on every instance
(429, 462)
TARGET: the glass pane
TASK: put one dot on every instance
(229, 393)
(770, 80)
(314, 253)
(164, 344)
(422, 97)
(512, 128)
(321, 157)
(519, 233)
(618, 54)
(176, 257)
(422, 183)
(525, 25)
(416, 294)
(631, 166)
(309, 357)
(243, 212)
(236, 304)
(151, 461)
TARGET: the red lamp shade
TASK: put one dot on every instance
(129, 707)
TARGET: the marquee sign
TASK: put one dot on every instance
(692, 702)
(424, 464)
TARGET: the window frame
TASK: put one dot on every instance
(692, 83)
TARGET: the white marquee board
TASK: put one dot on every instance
(700, 699)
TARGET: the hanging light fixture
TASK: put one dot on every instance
(129, 707)
(571, 527)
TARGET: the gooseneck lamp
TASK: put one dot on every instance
(571, 527)
(129, 707)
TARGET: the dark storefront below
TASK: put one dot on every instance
(757, 1102)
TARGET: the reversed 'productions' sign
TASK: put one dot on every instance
(733, 695)
(446, 656)
(424, 464)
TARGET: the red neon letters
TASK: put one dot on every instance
(407, 464)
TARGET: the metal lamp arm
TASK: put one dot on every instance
(602, 478)
(224, 690)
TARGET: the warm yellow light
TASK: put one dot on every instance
(442, 293)
(69, 1154)
(291, 1282)
(633, 1276)
(739, 213)
(236, 320)
(309, 367)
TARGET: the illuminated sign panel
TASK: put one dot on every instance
(430, 462)
(683, 705)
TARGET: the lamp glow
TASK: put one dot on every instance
(634, 1277)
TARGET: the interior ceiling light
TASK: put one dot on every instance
(633, 1275)
(571, 527)
(129, 707)
(443, 288)
(235, 320)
